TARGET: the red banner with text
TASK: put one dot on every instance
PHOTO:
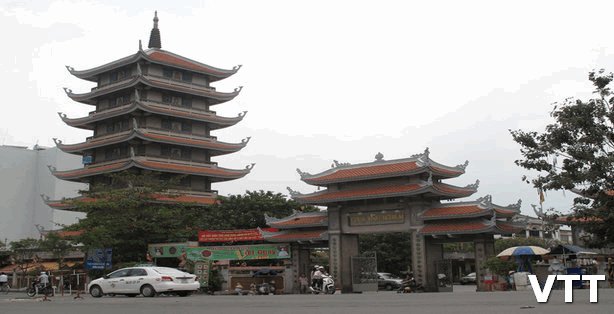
(210, 236)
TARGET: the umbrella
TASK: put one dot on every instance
(523, 251)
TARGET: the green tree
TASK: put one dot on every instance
(393, 250)
(23, 252)
(498, 266)
(576, 151)
(57, 246)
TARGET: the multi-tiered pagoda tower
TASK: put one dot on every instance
(404, 195)
(152, 112)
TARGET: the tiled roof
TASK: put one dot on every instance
(180, 198)
(156, 56)
(218, 147)
(301, 221)
(505, 212)
(362, 193)
(196, 170)
(215, 121)
(472, 210)
(355, 173)
(175, 60)
(508, 228)
(455, 227)
(215, 173)
(343, 172)
(285, 236)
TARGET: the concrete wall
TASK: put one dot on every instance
(23, 177)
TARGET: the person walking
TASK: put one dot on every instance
(303, 283)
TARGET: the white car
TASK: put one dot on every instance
(147, 281)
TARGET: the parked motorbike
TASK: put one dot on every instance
(328, 286)
(37, 288)
(265, 288)
(410, 285)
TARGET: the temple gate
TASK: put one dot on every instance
(405, 195)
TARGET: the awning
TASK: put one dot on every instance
(569, 249)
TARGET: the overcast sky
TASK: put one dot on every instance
(328, 80)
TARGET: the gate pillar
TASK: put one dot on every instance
(484, 249)
(418, 257)
(434, 254)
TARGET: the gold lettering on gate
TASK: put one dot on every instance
(376, 218)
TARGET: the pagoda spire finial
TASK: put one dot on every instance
(154, 37)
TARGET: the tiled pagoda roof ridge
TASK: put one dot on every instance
(212, 171)
(157, 56)
(380, 168)
(469, 226)
(154, 135)
(315, 235)
(298, 220)
(155, 82)
(198, 199)
(437, 189)
(216, 122)
(483, 206)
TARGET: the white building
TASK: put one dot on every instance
(24, 177)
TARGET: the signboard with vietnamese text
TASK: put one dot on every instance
(99, 259)
(377, 218)
(209, 236)
(239, 252)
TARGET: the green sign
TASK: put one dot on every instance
(239, 252)
(201, 270)
(167, 249)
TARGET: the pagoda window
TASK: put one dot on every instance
(166, 72)
(186, 76)
(118, 75)
(172, 99)
(185, 181)
(117, 126)
(174, 125)
(177, 75)
(118, 101)
(115, 153)
(186, 102)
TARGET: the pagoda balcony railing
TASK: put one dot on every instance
(172, 159)
(182, 134)
(106, 136)
(153, 157)
(182, 82)
(179, 107)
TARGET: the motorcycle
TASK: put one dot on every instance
(265, 288)
(410, 285)
(328, 286)
(37, 288)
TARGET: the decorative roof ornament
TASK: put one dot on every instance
(56, 141)
(69, 68)
(293, 192)
(379, 157)
(67, 90)
(52, 168)
(473, 186)
(486, 200)
(250, 166)
(45, 198)
(237, 67)
(155, 40)
(132, 153)
(242, 114)
(140, 45)
(493, 219)
(429, 181)
(246, 140)
(516, 205)
(135, 125)
(137, 95)
(238, 89)
(301, 173)
(464, 165)
(426, 153)
(340, 164)
(139, 72)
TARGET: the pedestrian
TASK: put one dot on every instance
(303, 283)
(239, 288)
(610, 273)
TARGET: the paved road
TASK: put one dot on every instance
(464, 300)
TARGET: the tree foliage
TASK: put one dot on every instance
(23, 252)
(393, 250)
(576, 151)
(126, 217)
(498, 266)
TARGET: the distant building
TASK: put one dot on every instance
(24, 177)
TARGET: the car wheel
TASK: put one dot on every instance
(183, 293)
(96, 291)
(148, 291)
(388, 287)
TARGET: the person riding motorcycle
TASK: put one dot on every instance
(317, 278)
(4, 279)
